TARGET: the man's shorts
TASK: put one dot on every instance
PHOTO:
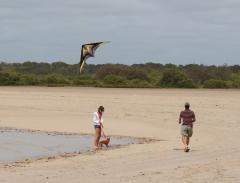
(186, 131)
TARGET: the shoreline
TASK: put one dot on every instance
(20, 163)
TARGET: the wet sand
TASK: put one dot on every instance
(152, 113)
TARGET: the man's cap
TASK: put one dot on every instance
(187, 104)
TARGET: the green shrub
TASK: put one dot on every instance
(155, 77)
(173, 78)
(84, 80)
(137, 83)
(55, 80)
(119, 75)
(29, 80)
(9, 78)
(112, 69)
(136, 74)
(121, 70)
(213, 83)
(236, 81)
(115, 81)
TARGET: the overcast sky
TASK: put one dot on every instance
(161, 31)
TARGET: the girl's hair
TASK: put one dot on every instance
(100, 109)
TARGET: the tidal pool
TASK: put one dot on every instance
(19, 145)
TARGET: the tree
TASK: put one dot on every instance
(173, 78)
(9, 78)
(115, 81)
(214, 83)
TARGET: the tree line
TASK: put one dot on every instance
(149, 75)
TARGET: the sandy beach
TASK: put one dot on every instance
(149, 113)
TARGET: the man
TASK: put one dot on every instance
(187, 118)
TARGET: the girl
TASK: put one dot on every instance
(97, 120)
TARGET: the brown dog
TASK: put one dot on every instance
(105, 142)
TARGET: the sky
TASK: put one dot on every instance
(140, 31)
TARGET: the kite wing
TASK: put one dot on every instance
(87, 51)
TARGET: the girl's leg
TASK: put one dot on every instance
(97, 136)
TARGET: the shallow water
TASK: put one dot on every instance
(18, 145)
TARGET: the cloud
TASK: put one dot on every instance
(182, 32)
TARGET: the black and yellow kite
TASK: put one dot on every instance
(87, 51)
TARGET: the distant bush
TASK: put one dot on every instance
(85, 81)
(9, 78)
(236, 81)
(119, 75)
(110, 69)
(213, 83)
(121, 70)
(29, 80)
(33, 68)
(173, 78)
(136, 74)
(154, 78)
(55, 80)
(115, 81)
(137, 83)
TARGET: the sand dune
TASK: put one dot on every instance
(215, 150)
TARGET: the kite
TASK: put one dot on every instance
(87, 51)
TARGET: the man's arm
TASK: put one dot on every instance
(180, 118)
(193, 118)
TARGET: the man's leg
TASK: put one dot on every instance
(187, 140)
(190, 132)
(187, 143)
(183, 140)
(183, 133)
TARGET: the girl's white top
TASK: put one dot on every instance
(96, 120)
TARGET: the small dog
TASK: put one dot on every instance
(105, 142)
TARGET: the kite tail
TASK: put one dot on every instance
(81, 68)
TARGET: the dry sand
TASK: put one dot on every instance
(215, 147)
